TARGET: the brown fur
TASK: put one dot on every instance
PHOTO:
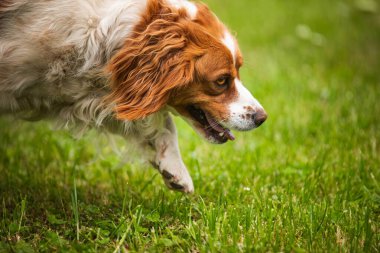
(10, 5)
(207, 19)
(172, 60)
(5, 5)
(203, 92)
(151, 64)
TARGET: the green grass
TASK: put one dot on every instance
(306, 181)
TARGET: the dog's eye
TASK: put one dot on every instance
(222, 82)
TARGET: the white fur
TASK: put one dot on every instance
(242, 109)
(190, 7)
(229, 42)
(52, 58)
(169, 158)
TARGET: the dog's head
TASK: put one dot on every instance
(182, 56)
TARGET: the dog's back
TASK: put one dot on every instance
(52, 53)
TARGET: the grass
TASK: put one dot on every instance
(306, 181)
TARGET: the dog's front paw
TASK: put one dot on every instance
(178, 182)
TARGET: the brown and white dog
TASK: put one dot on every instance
(122, 66)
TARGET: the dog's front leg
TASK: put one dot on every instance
(168, 159)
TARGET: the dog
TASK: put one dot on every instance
(125, 66)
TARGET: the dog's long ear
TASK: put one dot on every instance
(148, 68)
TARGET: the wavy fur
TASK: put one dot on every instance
(151, 65)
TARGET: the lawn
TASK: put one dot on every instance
(306, 181)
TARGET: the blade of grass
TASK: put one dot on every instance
(22, 213)
(74, 203)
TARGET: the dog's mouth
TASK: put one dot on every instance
(209, 126)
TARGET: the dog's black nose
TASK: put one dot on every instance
(259, 117)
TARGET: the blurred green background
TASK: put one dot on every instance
(307, 180)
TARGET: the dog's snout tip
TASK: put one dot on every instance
(260, 117)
